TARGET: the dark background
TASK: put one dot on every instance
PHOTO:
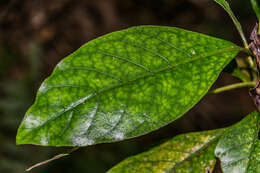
(36, 34)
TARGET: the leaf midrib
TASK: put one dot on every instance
(154, 72)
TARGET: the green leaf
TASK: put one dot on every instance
(123, 85)
(257, 11)
(256, 8)
(187, 153)
(239, 148)
(227, 8)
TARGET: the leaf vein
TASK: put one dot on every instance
(124, 59)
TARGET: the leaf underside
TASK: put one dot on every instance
(187, 153)
(239, 148)
(123, 85)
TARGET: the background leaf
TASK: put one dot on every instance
(238, 149)
(123, 85)
(193, 152)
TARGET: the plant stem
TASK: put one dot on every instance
(245, 63)
(232, 86)
(247, 51)
(238, 26)
(227, 8)
(250, 62)
(249, 59)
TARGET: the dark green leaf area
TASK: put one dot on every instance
(187, 153)
(239, 149)
(123, 85)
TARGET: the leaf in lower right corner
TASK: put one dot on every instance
(239, 148)
(187, 153)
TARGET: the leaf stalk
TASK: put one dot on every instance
(233, 86)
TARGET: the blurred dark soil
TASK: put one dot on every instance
(35, 35)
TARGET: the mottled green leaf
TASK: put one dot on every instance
(187, 153)
(227, 8)
(239, 148)
(123, 85)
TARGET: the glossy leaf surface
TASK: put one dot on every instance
(123, 85)
(187, 153)
(239, 148)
